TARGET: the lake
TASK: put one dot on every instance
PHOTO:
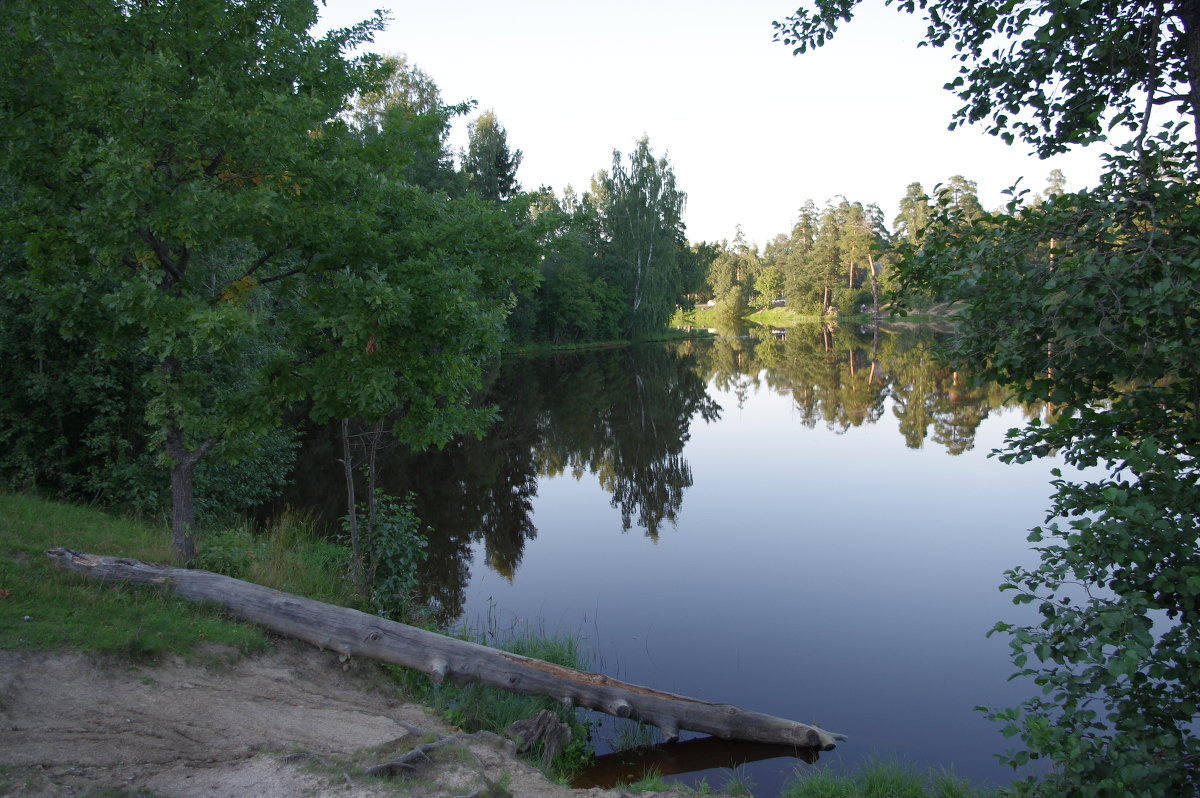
(805, 523)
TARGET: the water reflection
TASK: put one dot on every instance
(622, 414)
(688, 756)
(841, 376)
(625, 415)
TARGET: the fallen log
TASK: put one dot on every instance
(353, 633)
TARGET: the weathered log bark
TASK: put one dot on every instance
(355, 633)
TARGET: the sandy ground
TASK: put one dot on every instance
(289, 723)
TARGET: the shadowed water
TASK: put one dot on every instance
(804, 524)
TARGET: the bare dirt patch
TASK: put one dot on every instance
(289, 723)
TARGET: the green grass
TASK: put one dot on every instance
(652, 781)
(44, 608)
(770, 317)
(290, 556)
(881, 779)
(634, 734)
(477, 707)
(738, 784)
(782, 317)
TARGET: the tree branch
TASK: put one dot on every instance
(258, 264)
(217, 160)
(280, 276)
(163, 254)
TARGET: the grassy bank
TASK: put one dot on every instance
(711, 317)
(782, 317)
(43, 608)
(882, 779)
(715, 317)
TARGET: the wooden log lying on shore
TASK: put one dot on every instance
(359, 634)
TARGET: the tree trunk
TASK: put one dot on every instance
(372, 444)
(874, 289)
(355, 633)
(183, 508)
(360, 581)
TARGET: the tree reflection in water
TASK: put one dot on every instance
(625, 415)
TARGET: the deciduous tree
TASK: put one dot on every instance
(183, 187)
(404, 101)
(641, 213)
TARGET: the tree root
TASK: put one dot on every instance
(330, 765)
(544, 727)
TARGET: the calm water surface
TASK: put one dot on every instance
(806, 525)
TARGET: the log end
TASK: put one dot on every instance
(109, 569)
(438, 669)
(620, 708)
(66, 558)
(822, 740)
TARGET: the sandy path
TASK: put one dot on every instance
(71, 722)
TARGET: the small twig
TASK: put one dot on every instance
(409, 761)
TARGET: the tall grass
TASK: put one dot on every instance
(291, 555)
(476, 707)
(883, 778)
(631, 735)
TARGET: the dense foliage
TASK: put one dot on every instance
(1091, 301)
(188, 202)
(215, 222)
(615, 263)
(1100, 301)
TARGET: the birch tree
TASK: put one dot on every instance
(641, 212)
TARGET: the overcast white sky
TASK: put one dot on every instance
(750, 130)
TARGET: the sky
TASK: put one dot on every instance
(750, 130)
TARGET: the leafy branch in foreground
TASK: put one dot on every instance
(1091, 301)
